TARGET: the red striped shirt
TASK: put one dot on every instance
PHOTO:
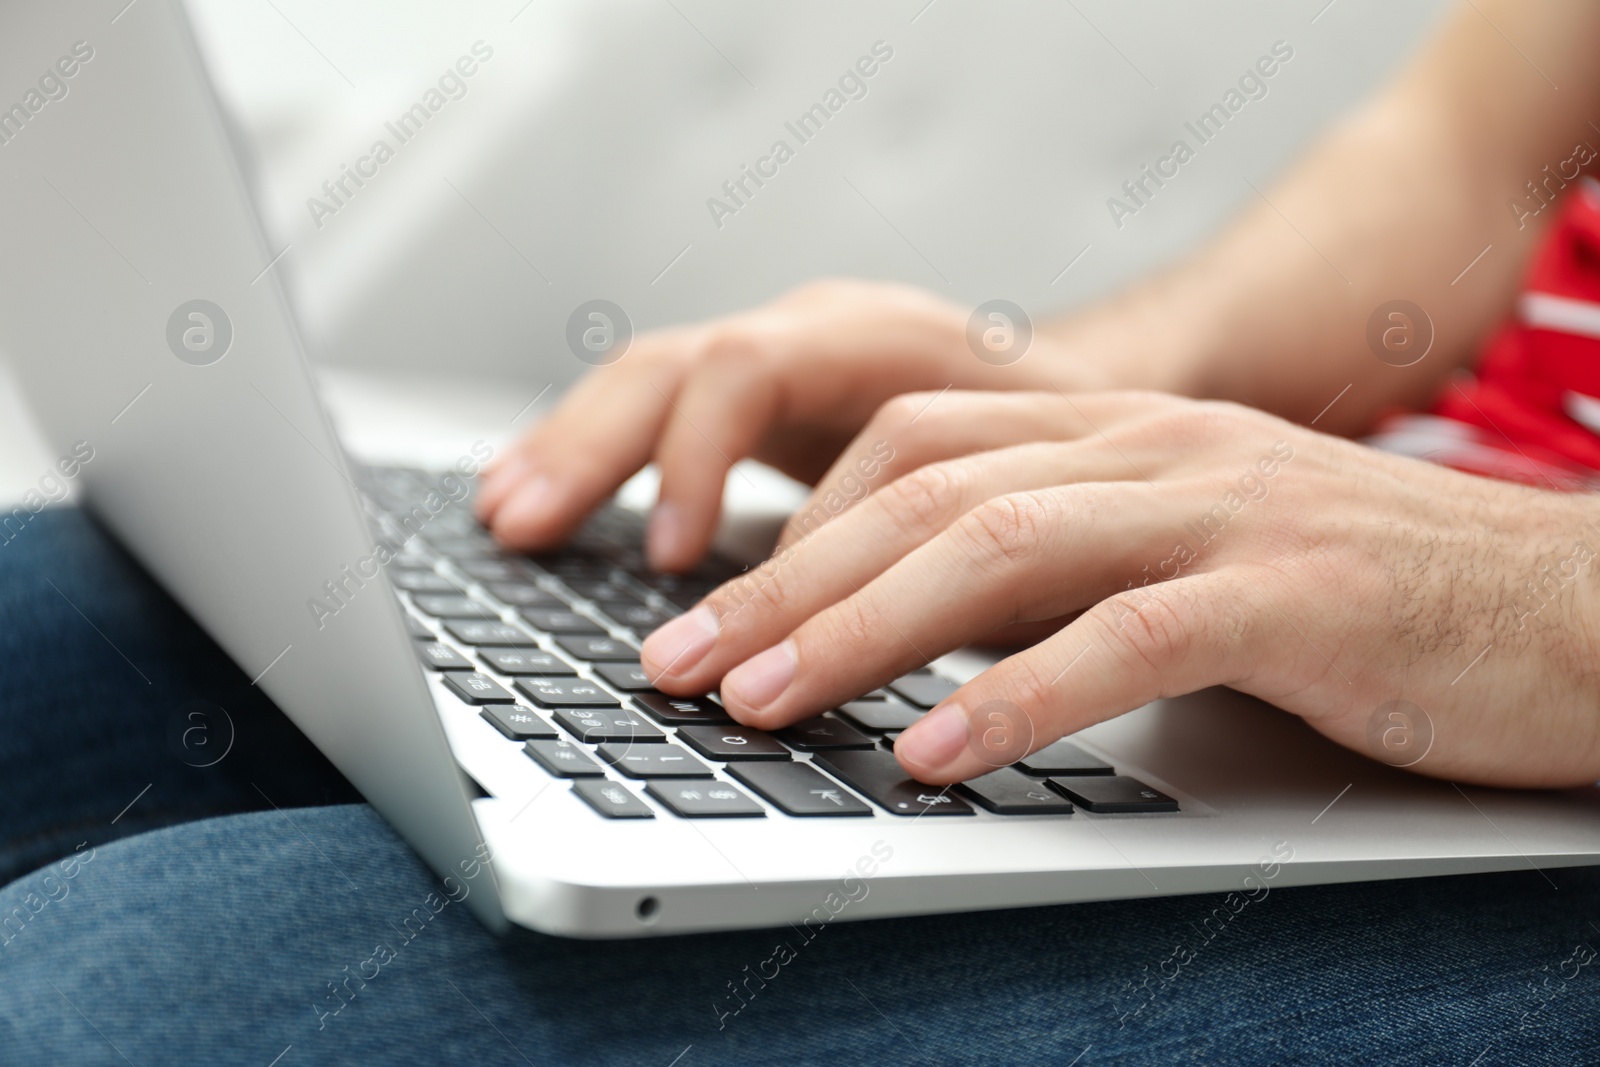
(1530, 412)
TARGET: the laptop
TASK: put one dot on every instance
(490, 706)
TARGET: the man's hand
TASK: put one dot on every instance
(1196, 544)
(788, 383)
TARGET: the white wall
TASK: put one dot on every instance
(981, 157)
(594, 136)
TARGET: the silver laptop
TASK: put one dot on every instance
(490, 706)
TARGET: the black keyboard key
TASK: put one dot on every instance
(592, 725)
(462, 549)
(923, 690)
(1008, 791)
(491, 570)
(602, 592)
(653, 761)
(732, 743)
(573, 566)
(798, 789)
(453, 606)
(612, 800)
(565, 693)
(705, 800)
(879, 716)
(418, 628)
(526, 661)
(517, 722)
(876, 774)
(680, 711)
(491, 634)
(416, 580)
(1063, 758)
(560, 621)
(598, 649)
(636, 617)
(563, 759)
(475, 688)
(628, 677)
(525, 595)
(824, 732)
(1114, 795)
(443, 658)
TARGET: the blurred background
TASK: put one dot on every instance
(577, 160)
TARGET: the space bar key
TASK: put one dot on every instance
(885, 783)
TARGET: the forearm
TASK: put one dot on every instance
(1394, 203)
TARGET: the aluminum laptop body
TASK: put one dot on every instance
(125, 213)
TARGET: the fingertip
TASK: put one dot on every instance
(931, 751)
(495, 484)
(527, 516)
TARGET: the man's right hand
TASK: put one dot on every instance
(788, 383)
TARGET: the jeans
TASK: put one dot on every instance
(175, 904)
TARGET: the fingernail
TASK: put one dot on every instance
(664, 539)
(937, 739)
(760, 680)
(527, 506)
(676, 646)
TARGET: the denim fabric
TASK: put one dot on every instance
(314, 935)
(109, 691)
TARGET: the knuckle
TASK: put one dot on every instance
(1149, 628)
(929, 498)
(760, 592)
(1006, 532)
(1194, 424)
(850, 624)
(901, 412)
(730, 344)
(1027, 687)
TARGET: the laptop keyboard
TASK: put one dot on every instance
(545, 649)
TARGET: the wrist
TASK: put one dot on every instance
(1152, 338)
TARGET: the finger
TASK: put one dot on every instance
(1025, 556)
(724, 408)
(765, 604)
(603, 432)
(915, 429)
(1159, 641)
